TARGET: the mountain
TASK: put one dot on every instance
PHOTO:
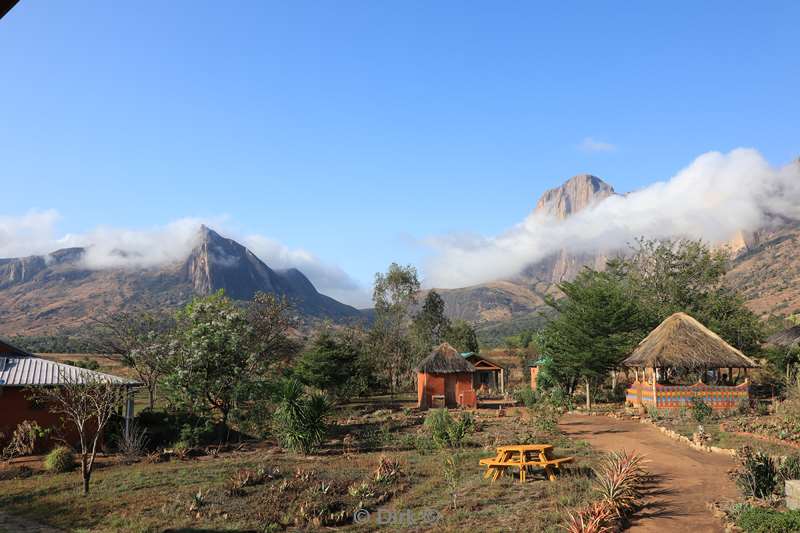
(40, 294)
(765, 268)
(522, 298)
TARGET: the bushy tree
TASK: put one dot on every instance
(597, 325)
(334, 362)
(462, 337)
(214, 361)
(668, 276)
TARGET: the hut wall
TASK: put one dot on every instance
(534, 376)
(718, 397)
(459, 386)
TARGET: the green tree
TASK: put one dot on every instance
(668, 276)
(430, 326)
(389, 341)
(597, 325)
(462, 337)
(333, 363)
(214, 362)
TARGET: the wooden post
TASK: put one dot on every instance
(128, 411)
(502, 382)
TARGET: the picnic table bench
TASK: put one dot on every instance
(523, 457)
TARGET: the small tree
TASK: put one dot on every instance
(144, 341)
(88, 403)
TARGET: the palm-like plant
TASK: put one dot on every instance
(300, 420)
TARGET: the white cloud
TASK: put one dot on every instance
(590, 144)
(36, 232)
(713, 198)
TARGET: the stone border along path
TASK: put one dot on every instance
(17, 524)
(685, 478)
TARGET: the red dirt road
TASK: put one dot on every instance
(686, 478)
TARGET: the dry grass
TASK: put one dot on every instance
(212, 493)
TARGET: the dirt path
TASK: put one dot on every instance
(687, 478)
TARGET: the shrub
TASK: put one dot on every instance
(60, 459)
(300, 420)
(25, 440)
(596, 518)
(790, 468)
(758, 520)
(526, 396)
(447, 432)
(757, 476)
(388, 470)
(701, 410)
(133, 443)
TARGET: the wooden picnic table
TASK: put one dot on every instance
(523, 456)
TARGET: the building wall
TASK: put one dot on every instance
(15, 408)
(429, 385)
(534, 376)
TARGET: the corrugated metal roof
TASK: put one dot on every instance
(24, 371)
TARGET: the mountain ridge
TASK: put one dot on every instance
(41, 293)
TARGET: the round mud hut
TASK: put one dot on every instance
(444, 379)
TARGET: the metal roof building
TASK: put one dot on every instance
(19, 368)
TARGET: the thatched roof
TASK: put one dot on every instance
(788, 338)
(680, 341)
(445, 360)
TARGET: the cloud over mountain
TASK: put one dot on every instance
(36, 232)
(712, 198)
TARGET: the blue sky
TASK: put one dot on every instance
(354, 130)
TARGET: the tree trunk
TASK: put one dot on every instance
(151, 392)
(85, 473)
(588, 395)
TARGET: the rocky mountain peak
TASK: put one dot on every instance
(577, 193)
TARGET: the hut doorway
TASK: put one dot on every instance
(450, 390)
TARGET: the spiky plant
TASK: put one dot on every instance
(300, 419)
(596, 518)
(618, 480)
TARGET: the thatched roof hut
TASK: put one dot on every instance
(788, 338)
(680, 341)
(445, 360)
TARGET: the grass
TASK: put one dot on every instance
(151, 497)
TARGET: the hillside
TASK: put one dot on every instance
(42, 294)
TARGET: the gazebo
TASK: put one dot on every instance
(444, 379)
(678, 345)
